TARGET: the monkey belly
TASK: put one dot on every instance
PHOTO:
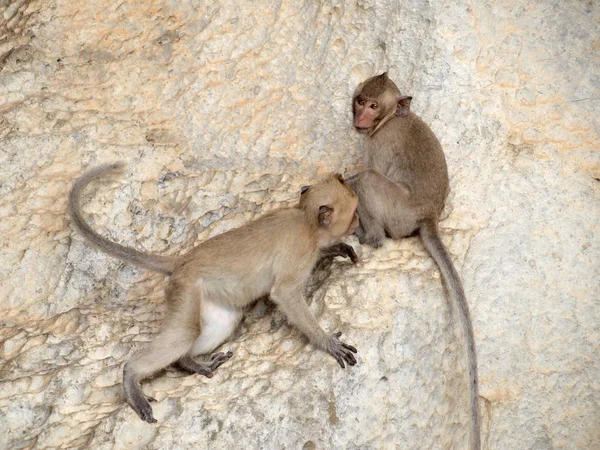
(218, 323)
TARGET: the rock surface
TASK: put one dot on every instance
(222, 110)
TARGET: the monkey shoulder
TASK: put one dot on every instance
(286, 230)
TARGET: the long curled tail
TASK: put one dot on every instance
(432, 242)
(159, 263)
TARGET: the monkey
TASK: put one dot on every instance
(402, 193)
(210, 284)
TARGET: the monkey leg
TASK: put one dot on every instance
(291, 303)
(178, 332)
(218, 323)
(166, 348)
(384, 207)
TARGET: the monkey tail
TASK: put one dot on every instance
(159, 263)
(432, 242)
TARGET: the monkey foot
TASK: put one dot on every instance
(140, 405)
(340, 351)
(205, 368)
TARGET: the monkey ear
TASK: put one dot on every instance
(303, 189)
(382, 79)
(403, 107)
(325, 215)
(339, 177)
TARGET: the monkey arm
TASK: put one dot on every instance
(290, 301)
(370, 180)
(292, 304)
(322, 268)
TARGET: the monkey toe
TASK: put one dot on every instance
(150, 399)
(222, 355)
(219, 358)
(189, 365)
(204, 368)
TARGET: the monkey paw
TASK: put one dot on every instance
(143, 409)
(340, 351)
(347, 251)
(343, 250)
(205, 368)
(373, 241)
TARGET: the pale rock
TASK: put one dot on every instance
(221, 111)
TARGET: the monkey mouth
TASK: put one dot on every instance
(362, 130)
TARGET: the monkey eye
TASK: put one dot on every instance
(374, 106)
(360, 101)
(303, 189)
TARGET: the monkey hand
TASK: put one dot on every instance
(365, 238)
(347, 251)
(343, 250)
(340, 351)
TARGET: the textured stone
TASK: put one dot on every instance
(222, 110)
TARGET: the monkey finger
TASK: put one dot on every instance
(350, 347)
(350, 359)
(337, 335)
(347, 251)
(352, 254)
(340, 361)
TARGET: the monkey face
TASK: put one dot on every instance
(366, 113)
(377, 99)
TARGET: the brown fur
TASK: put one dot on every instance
(210, 284)
(403, 192)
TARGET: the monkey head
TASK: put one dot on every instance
(330, 206)
(377, 100)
